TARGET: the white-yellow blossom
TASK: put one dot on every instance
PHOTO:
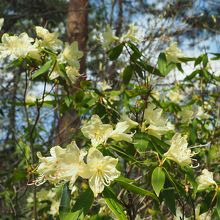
(56, 72)
(203, 216)
(201, 113)
(43, 196)
(63, 165)
(99, 133)
(178, 150)
(119, 132)
(158, 125)
(95, 130)
(72, 73)
(54, 208)
(186, 115)
(16, 47)
(131, 34)
(108, 37)
(71, 54)
(49, 40)
(102, 170)
(179, 215)
(173, 53)
(175, 96)
(121, 129)
(205, 180)
(103, 86)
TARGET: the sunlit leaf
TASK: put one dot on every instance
(158, 180)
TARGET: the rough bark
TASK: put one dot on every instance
(77, 26)
(77, 30)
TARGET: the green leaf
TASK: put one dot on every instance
(124, 154)
(127, 74)
(140, 142)
(129, 185)
(205, 60)
(192, 75)
(83, 204)
(115, 52)
(206, 75)
(218, 203)
(168, 195)
(192, 178)
(193, 131)
(152, 70)
(136, 51)
(160, 146)
(64, 207)
(138, 69)
(71, 216)
(162, 64)
(113, 203)
(43, 69)
(179, 67)
(198, 60)
(186, 59)
(158, 180)
(80, 208)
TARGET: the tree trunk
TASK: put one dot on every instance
(77, 30)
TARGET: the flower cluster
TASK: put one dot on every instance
(67, 164)
(173, 53)
(22, 46)
(43, 197)
(178, 150)
(108, 37)
(155, 124)
(99, 133)
(205, 180)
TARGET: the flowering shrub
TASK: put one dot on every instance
(145, 150)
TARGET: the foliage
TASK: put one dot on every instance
(146, 151)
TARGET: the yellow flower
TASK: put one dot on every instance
(56, 72)
(186, 115)
(108, 37)
(178, 150)
(103, 86)
(173, 53)
(175, 96)
(157, 124)
(72, 73)
(49, 165)
(63, 165)
(49, 40)
(102, 170)
(201, 113)
(96, 130)
(205, 180)
(203, 216)
(179, 215)
(156, 94)
(71, 54)
(16, 46)
(99, 133)
(130, 123)
(119, 134)
(131, 34)
(54, 208)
